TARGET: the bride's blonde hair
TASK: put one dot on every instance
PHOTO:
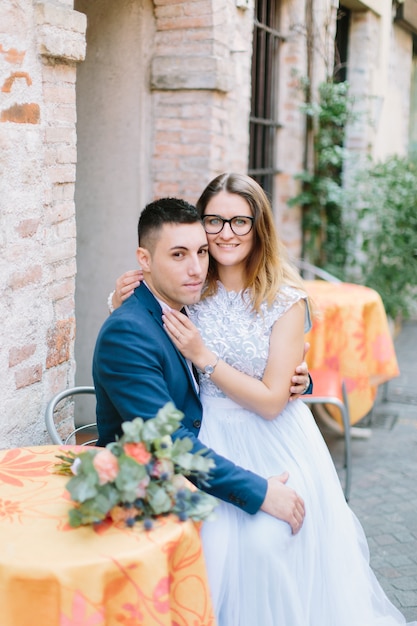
(267, 265)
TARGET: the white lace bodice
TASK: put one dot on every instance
(239, 336)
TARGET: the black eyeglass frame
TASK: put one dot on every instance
(225, 221)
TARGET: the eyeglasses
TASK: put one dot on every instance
(240, 225)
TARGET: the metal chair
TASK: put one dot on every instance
(329, 388)
(50, 416)
(310, 271)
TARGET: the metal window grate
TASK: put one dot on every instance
(263, 118)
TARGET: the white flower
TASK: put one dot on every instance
(76, 464)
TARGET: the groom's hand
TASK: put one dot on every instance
(300, 382)
(284, 503)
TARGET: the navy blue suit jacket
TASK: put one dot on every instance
(137, 370)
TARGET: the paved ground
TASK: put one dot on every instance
(384, 479)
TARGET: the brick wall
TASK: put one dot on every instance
(40, 44)
(200, 78)
(379, 74)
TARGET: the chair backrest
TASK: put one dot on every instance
(50, 416)
(330, 388)
(310, 271)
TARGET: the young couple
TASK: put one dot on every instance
(245, 336)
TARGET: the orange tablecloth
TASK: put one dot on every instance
(54, 575)
(351, 335)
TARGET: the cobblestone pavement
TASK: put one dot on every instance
(384, 479)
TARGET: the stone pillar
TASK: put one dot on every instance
(200, 78)
(40, 44)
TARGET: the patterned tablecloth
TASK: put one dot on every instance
(351, 334)
(54, 575)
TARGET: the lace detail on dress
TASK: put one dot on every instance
(239, 336)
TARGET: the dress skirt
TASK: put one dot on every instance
(261, 574)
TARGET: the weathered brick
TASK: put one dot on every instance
(60, 32)
(32, 275)
(182, 22)
(28, 227)
(64, 289)
(28, 376)
(60, 251)
(57, 153)
(64, 269)
(62, 191)
(28, 113)
(55, 73)
(62, 173)
(59, 340)
(64, 307)
(12, 55)
(166, 189)
(60, 134)
(19, 354)
(62, 93)
(59, 211)
(61, 113)
(15, 76)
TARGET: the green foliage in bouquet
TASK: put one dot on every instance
(140, 476)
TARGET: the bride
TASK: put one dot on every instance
(250, 325)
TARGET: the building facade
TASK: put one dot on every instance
(107, 105)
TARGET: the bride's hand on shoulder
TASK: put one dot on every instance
(125, 286)
(186, 338)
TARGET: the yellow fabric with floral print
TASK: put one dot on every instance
(351, 335)
(55, 575)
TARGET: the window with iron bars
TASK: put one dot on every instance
(264, 106)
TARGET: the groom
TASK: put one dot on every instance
(137, 369)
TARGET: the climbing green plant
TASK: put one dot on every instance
(363, 229)
(383, 198)
(325, 232)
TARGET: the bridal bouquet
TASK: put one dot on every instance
(140, 476)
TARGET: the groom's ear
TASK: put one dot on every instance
(143, 257)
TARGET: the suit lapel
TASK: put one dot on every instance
(147, 298)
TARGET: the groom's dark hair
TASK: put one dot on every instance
(164, 211)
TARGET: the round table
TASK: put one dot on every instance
(55, 575)
(351, 334)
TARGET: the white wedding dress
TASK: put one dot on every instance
(259, 573)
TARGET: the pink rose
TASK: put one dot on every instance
(106, 466)
(138, 452)
(163, 467)
(141, 488)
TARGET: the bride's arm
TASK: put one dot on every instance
(127, 282)
(125, 285)
(266, 397)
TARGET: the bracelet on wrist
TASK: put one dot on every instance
(110, 302)
(209, 369)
